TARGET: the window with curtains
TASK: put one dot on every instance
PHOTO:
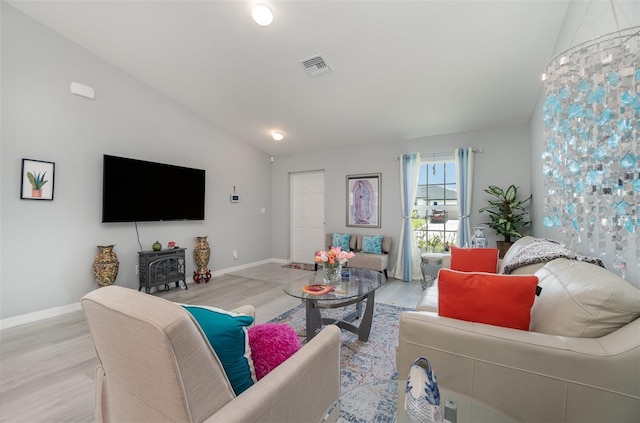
(435, 214)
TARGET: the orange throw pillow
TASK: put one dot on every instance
(474, 259)
(499, 300)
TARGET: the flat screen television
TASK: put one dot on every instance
(141, 191)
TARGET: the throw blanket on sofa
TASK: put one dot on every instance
(541, 251)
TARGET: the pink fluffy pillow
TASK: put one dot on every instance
(271, 344)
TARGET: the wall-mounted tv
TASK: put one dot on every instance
(141, 191)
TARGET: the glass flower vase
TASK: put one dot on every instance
(331, 274)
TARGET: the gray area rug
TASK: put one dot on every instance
(270, 272)
(361, 362)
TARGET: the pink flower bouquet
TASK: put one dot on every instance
(333, 257)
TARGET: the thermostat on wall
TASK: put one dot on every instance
(235, 198)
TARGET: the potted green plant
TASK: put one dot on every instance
(506, 214)
(37, 181)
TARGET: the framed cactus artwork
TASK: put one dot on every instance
(37, 180)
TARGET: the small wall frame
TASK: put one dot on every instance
(37, 180)
(363, 200)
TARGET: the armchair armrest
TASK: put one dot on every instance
(508, 367)
(299, 390)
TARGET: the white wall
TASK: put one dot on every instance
(584, 21)
(47, 247)
(505, 161)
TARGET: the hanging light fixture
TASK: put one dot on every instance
(277, 135)
(591, 161)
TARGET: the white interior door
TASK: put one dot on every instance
(307, 215)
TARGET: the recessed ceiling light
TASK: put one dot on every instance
(277, 135)
(262, 14)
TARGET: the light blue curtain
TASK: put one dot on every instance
(464, 168)
(407, 265)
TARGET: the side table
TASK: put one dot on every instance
(430, 264)
(384, 402)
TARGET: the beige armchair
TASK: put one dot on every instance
(157, 366)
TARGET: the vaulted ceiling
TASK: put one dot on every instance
(399, 69)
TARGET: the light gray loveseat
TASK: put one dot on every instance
(377, 262)
(537, 376)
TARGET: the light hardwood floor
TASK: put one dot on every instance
(47, 367)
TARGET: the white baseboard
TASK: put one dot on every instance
(39, 315)
(70, 308)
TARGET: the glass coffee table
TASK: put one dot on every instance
(384, 402)
(356, 286)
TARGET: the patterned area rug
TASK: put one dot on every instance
(361, 362)
(301, 266)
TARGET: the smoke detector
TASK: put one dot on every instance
(315, 65)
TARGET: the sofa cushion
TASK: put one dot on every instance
(429, 300)
(378, 262)
(342, 241)
(580, 299)
(474, 259)
(271, 345)
(499, 300)
(227, 334)
(372, 244)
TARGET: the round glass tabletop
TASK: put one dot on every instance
(355, 283)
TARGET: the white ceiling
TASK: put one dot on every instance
(401, 69)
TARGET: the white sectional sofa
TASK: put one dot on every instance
(588, 371)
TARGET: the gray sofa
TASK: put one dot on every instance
(377, 262)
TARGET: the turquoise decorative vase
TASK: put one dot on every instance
(422, 399)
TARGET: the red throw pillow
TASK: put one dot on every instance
(474, 259)
(499, 300)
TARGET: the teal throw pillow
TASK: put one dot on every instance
(227, 333)
(372, 244)
(341, 240)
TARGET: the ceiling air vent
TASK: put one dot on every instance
(316, 65)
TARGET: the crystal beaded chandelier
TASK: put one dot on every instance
(591, 162)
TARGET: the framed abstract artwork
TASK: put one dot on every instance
(363, 200)
(36, 182)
